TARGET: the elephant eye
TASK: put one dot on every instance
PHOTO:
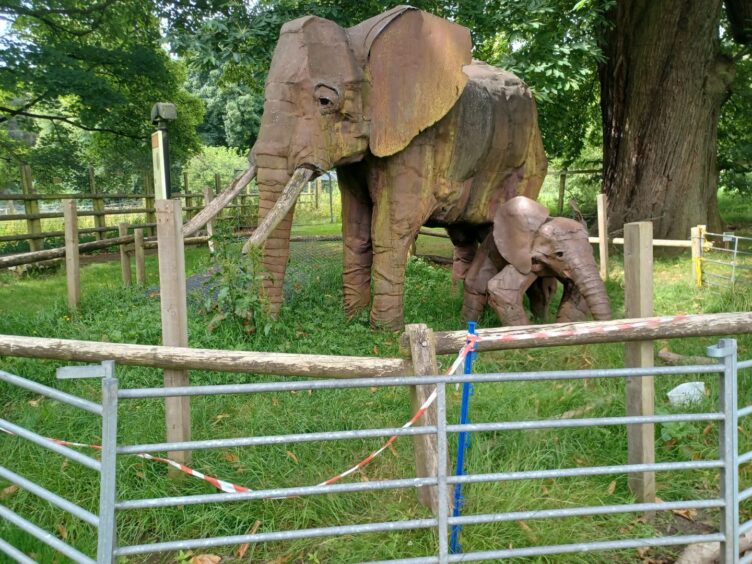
(559, 254)
(327, 99)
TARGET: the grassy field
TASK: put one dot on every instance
(313, 321)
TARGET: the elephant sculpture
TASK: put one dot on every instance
(529, 250)
(419, 133)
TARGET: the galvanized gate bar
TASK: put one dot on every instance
(277, 439)
(42, 535)
(729, 449)
(189, 544)
(586, 471)
(47, 495)
(51, 445)
(52, 393)
(276, 493)
(584, 547)
(744, 364)
(584, 511)
(390, 381)
(14, 553)
(108, 484)
(583, 422)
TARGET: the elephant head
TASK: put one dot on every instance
(531, 241)
(335, 95)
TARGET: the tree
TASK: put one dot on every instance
(664, 79)
(80, 78)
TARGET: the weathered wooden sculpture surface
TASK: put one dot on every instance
(528, 249)
(419, 133)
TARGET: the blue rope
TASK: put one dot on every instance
(463, 443)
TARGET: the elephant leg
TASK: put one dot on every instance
(540, 293)
(397, 218)
(505, 292)
(464, 239)
(573, 306)
(482, 269)
(356, 234)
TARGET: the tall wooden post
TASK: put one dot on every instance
(138, 251)
(423, 351)
(562, 188)
(72, 269)
(208, 197)
(33, 225)
(151, 217)
(638, 302)
(97, 204)
(125, 259)
(316, 190)
(603, 235)
(174, 306)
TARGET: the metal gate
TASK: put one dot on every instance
(727, 464)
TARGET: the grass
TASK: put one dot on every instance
(312, 321)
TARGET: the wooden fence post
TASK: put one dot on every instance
(208, 197)
(151, 217)
(189, 202)
(218, 190)
(697, 238)
(423, 351)
(562, 188)
(174, 307)
(97, 205)
(34, 225)
(638, 302)
(138, 248)
(317, 189)
(72, 270)
(603, 235)
(125, 259)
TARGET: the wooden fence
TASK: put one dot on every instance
(104, 205)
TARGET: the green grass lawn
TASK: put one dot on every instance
(313, 321)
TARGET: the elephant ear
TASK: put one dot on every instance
(515, 225)
(414, 61)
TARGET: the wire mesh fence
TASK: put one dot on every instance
(726, 260)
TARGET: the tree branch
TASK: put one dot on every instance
(69, 121)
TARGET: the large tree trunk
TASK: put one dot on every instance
(662, 86)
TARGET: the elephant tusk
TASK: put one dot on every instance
(219, 202)
(284, 204)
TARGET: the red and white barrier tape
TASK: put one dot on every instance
(472, 340)
(221, 485)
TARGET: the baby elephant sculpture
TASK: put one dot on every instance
(527, 251)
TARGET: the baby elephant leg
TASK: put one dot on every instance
(485, 265)
(505, 292)
(540, 293)
(573, 306)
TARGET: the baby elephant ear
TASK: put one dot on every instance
(414, 61)
(515, 225)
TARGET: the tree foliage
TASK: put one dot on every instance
(78, 79)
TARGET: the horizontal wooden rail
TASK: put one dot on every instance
(57, 215)
(155, 356)
(656, 242)
(594, 332)
(76, 196)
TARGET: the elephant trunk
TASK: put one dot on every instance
(278, 193)
(588, 281)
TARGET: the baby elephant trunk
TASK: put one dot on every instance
(588, 281)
